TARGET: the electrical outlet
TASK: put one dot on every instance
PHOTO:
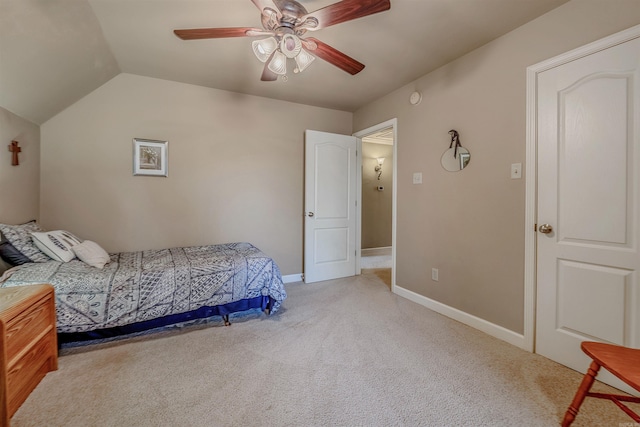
(434, 274)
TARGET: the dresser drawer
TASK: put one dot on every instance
(28, 343)
(27, 327)
(29, 370)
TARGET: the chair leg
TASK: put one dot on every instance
(585, 386)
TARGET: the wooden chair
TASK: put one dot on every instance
(622, 362)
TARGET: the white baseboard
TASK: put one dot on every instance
(290, 278)
(466, 318)
(376, 251)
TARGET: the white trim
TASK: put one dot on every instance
(394, 198)
(291, 278)
(387, 250)
(530, 214)
(530, 291)
(586, 50)
(466, 318)
(359, 204)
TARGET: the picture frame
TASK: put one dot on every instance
(150, 157)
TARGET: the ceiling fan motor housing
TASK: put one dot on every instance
(290, 20)
(291, 11)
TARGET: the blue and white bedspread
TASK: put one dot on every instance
(141, 286)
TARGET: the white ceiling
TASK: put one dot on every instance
(54, 52)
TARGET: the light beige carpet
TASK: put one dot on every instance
(340, 353)
(384, 274)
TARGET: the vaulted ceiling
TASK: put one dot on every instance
(54, 52)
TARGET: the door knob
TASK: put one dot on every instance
(310, 214)
(545, 229)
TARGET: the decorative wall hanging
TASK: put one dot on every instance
(13, 147)
(150, 157)
(456, 157)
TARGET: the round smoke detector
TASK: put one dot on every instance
(415, 98)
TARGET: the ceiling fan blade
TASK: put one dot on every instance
(333, 56)
(262, 4)
(345, 10)
(217, 33)
(267, 74)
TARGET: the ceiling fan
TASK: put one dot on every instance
(285, 22)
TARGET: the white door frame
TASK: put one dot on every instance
(394, 196)
(531, 180)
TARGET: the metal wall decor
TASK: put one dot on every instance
(456, 157)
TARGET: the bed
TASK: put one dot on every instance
(139, 291)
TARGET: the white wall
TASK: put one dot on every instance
(235, 168)
(19, 185)
(470, 224)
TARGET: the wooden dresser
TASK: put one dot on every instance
(28, 343)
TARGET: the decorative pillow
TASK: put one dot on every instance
(20, 237)
(91, 253)
(10, 254)
(4, 267)
(56, 244)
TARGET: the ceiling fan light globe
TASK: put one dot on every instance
(290, 45)
(278, 63)
(264, 48)
(303, 60)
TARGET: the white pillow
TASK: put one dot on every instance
(56, 244)
(91, 253)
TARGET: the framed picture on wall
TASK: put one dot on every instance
(150, 157)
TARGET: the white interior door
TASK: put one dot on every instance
(588, 190)
(330, 206)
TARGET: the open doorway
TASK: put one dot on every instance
(377, 195)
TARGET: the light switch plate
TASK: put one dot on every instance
(516, 170)
(417, 177)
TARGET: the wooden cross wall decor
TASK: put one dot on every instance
(13, 147)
